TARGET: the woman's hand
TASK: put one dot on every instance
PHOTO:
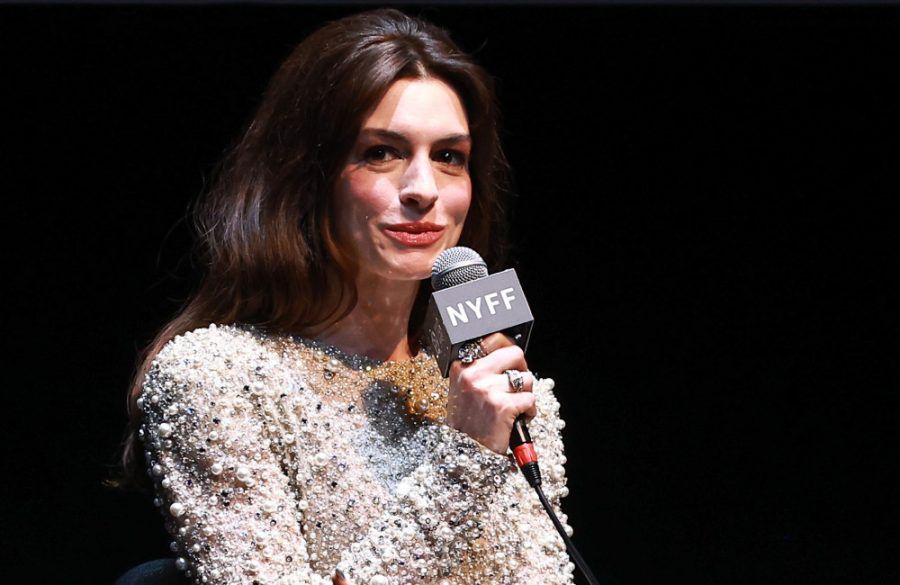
(481, 401)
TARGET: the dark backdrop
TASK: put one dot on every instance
(704, 221)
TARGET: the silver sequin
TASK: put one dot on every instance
(268, 470)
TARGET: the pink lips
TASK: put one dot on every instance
(417, 233)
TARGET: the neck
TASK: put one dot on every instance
(377, 326)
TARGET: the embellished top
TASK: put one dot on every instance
(276, 460)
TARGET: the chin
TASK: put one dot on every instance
(412, 266)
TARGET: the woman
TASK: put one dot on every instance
(311, 436)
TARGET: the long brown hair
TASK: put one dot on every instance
(265, 232)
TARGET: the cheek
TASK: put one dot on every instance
(360, 199)
(457, 201)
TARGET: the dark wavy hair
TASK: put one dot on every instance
(265, 227)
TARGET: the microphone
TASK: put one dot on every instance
(468, 304)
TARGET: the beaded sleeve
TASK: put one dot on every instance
(219, 483)
(221, 438)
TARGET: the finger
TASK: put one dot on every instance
(338, 578)
(523, 403)
(526, 389)
(495, 341)
(527, 381)
(516, 381)
(529, 402)
(506, 358)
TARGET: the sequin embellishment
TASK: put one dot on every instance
(277, 460)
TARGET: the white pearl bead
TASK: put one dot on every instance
(165, 430)
(216, 468)
(176, 509)
(157, 470)
(180, 564)
(243, 474)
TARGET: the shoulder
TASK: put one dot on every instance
(213, 341)
(216, 356)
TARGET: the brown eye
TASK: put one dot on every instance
(453, 158)
(380, 154)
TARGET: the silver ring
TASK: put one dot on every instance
(471, 351)
(516, 380)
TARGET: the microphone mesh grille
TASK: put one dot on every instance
(455, 266)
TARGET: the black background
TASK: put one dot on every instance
(704, 225)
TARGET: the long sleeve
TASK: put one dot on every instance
(220, 484)
(540, 556)
(263, 480)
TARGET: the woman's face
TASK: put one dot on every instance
(404, 191)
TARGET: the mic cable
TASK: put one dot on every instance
(526, 458)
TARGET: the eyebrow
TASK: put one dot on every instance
(397, 136)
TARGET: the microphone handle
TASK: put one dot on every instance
(523, 450)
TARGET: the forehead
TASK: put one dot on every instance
(425, 107)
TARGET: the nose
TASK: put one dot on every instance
(419, 185)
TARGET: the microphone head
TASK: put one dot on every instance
(455, 266)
